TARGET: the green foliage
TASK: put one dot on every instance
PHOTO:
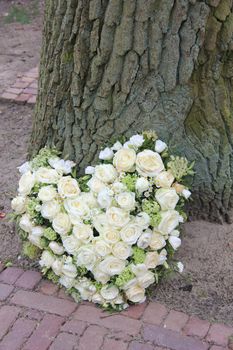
(33, 209)
(129, 181)
(30, 250)
(180, 167)
(41, 159)
(44, 242)
(124, 277)
(50, 234)
(82, 181)
(52, 276)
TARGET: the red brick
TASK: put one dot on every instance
(171, 339)
(140, 346)
(62, 294)
(22, 98)
(44, 302)
(9, 96)
(116, 322)
(30, 91)
(14, 90)
(135, 311)
(5, 291)
(45, 333)
(155, 313)
(34, 85)
(64, 341)
(21, 330)
(10, 275)
(92, 338)
(112, 344)
(20, 84)
(47, 287)
(74, 326)
(33, 314)
(216, 347)
(175, 320)
(29, 279)
(28, 79)
(32, 99)
(196, 327)
(219, 334)
(8, 315)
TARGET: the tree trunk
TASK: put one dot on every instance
(112, 67)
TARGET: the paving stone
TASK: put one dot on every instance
(155, 313)
(135, 311)
(92, 338)
(20, 84)
(175, 320)
(216, 347)
(30, 91)
(32, 99)
(10, 275)
(22, 98)
(64, 341)
(219, 334)
(5, 291)
(8, 315)
(74, 326)
(14, 90)
(196, 327)
(171, 339)
(20, 331)
(44, 302)
(112, 344)
(29, 279)
(45, 333)
(47, 287)
(9, 96)
(140, 346)
(62, 294)
(33, 314)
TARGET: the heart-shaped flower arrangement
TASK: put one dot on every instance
(106, 236)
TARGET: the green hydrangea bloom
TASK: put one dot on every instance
(129, 181)
(155, 219)
(139, 255)
(44, 242)
(150, 207)
(50, 234)
(30, 250)
(41, 160)
(52, 276)
(32, 207)
(124, 277)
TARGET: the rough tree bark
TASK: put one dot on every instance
(119, 66)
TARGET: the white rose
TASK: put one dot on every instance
(71, 244)
(100, 222)
(105, 173)
(129, 145)
(56, 248)
(25, 223)
(144, 240)
(136, 294)
(99, 275)
(121, 250)
(50, 209)
(151, 260)
(67, 282)
(167, 198)
(117, 146)
(95, 184)
(164, 179)
(85, 288)
(136, 140)
(68, 187)
(126, 200)
(104, 198)
(101, 247)
(57, 267)
(47, 259)
(86, 257)
(169, 221)
(142, 184)
(83, 232)
(149, 163)
(47, 176)
(117, 217)
(76, 206)
(18, 204)
(146, 280)
(89, 170)
(138, 270)
(130, 233)
(61, 165)
(61, 223)
(118, 187)
(35, 236)
(97, 298)
(174, 241)
(110, 234)
(160, 146)
(175, 233)
(130, 283)
(47, 193)
(106, 154)
(109, 292)
(25, 167)
(26, 183)
(143, 220)
(124, 159)
(162, 257)
(69, 269)
(180, 267)
(157, 241)
(89, 199)
(186, 193)
(112, 265)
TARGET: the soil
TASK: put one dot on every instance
(203, 289)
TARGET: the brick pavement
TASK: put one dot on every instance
(37, 315)
(24, 90)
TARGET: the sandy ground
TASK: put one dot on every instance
(205, 288)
